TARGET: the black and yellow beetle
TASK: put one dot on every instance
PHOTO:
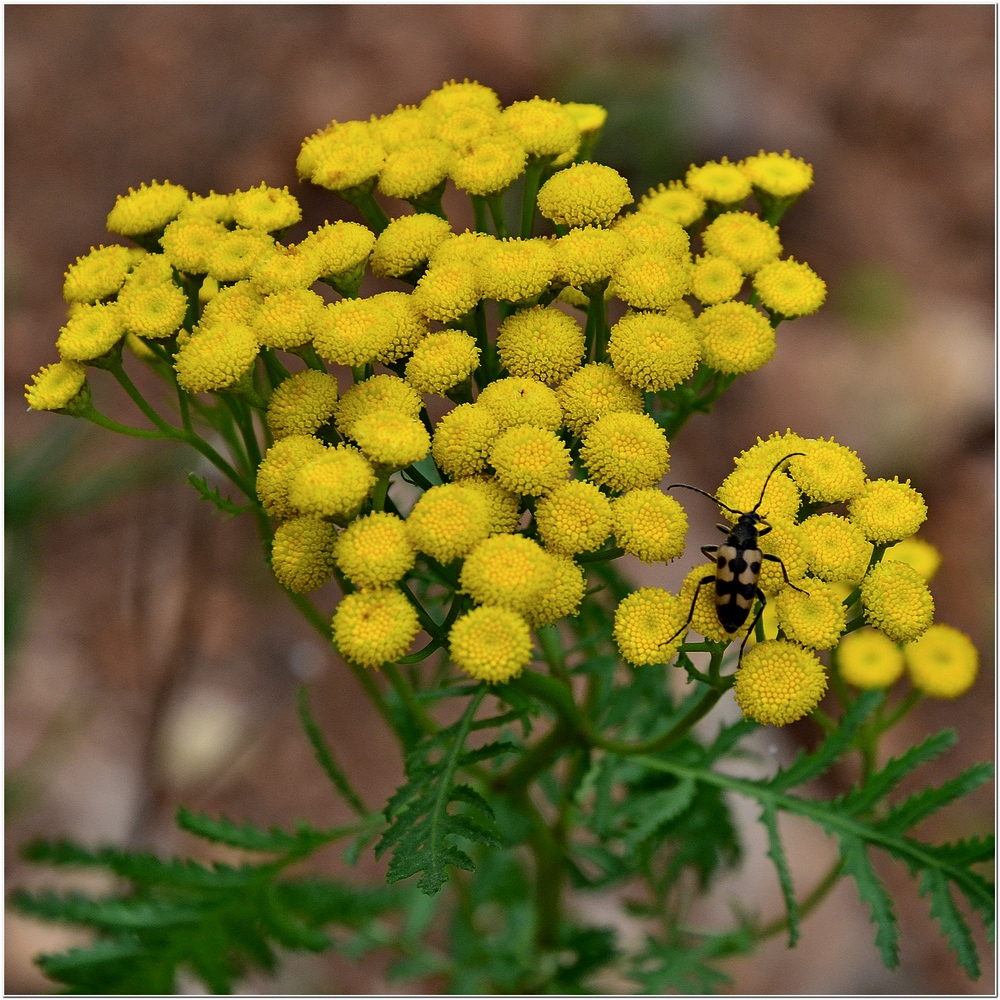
(737, 565)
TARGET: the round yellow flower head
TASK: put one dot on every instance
(390, 439)
(216, 357)
(447, 291)
(451, 96)
(701, 603)
(152, 310)
(723, 183)
(650, 525)
(541, 343)
(337, 247)
(509, 571)
(828, 472)
(406, 124)
(588, 118)
(491, 644)
(786, 541)
(448, 521)
(674, 202)
(715, 279)
(574, 516)
(442, 361)
(414, 168)
(515, 269)
(625, 451)
(266, 208)
(92, 330)
(887, 511)
(187, 241)
(741, 490)
(650, 281)
(764, 454)
(302, 553)
(644, 621)
(410, 326)
(406, 243)
(647, 232)
(515, 401)
(211, 208)
(147, 210)
(563, 599)
(868, 660)
(58, 386)
(463, 129)
(544, 128)
(746, 240)
(333, 484)
(779, 682)
(490, 167)
(735, 338)
(236, 255)
(788, 288)
(237, 303)
(289, 269)
(943, 662)
(589, 255)
(341, 156)
(816, 619)
(530, 460)
(837, 550)
(778, 174)
(593, 391)
(375, 551)
(463, 439)
(97, 275)
(381, 392)
(654, 351)
(354, 331)
(897, 601)
(584, 194)
(289, 319)
(374, 627)
(504, 506)
(462, 248)
(302, 404)
(280, 466)
(918, 553)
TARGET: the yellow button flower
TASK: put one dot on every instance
(625, 451)
(654, 351)
(789, 289)
(414, 168)
(288, 319)
(584, 194)
(588, 255)
(212, 207)
(815, 619)
(338, 247)
(236, 255)
(491, 166)
(563, 598)
(334, 484)
(721, 182)
(374, 627)
(237, 303)
(650, 525)
(887, 511)
(463, 438)
(451, 96)
(828, 472)
(778, 174)
(266, 208)
(302, 553)
(735, 338)
(515, 401)
(341, 156)
(868, 660)
(448, 521)
(187, 242)
(743, 489)
(291, 268)
(390, 439)
(544, 128)
(216, 357)
(403, 125)
(513, 270)
(504, 507)
(778, 683)
(650, 280)
(943, 662)
(91, 330)
(491, 644)
(575, 516)
(381, 392)
(98, 274)
(406, 243)
(674, 202)
(146, 210)
(644, 621)
(447, 290)
(281, 464)
(541, 343)
(56, 386)
(837, 550)
(591, 392)
(302, 404)
(530, 460)
(918, 553)
(897, 601)
(786, 541)
(354, 332)
(715, 279)
(651, 232)
(375, 551)
(510, 571)
(746, 240)
(442, 361)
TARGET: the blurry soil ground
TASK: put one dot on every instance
(155, 662)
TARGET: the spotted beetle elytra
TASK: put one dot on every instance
(737, 565)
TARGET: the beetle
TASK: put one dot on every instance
(737, 565)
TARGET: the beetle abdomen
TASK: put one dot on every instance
(737, 571)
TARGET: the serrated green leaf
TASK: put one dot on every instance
(656, 808)
(776, 852)
(214, 497)
(248, 837)
(923, 803)
(952, 924)
(107, 914)
(872, 892)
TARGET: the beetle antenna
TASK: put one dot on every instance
(674, 486)
(771, 473)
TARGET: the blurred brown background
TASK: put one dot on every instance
(151, 660)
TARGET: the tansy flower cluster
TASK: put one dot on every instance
(478, 419)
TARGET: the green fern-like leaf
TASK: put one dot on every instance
(776, 852)
(858, 865)
(214, 497)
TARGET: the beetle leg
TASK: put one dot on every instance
(784, 573)
(697, 590)
(753, 625)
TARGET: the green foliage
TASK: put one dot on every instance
(214, 496)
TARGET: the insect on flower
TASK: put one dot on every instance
(737, 565)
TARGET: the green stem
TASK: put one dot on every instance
(495, 202)
(479, 213)
(137, 397)
(364, 201)
(381, 491)
(112, 425)
(598, 308)
(406, 695)
(532, 182)
(819, 893)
